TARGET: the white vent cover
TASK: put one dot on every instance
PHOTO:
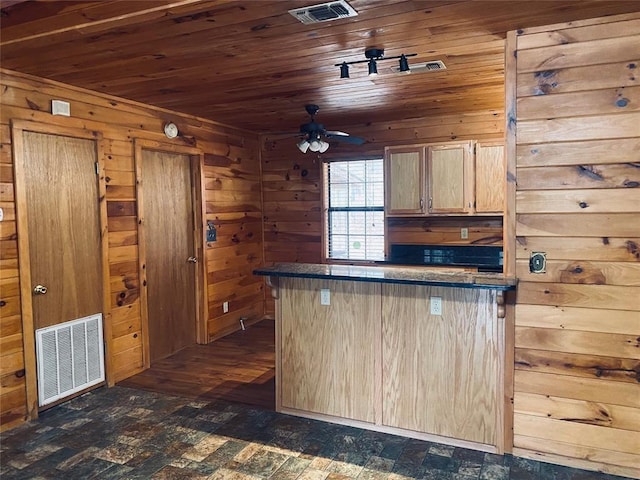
(423, 67)
(70, 358)
(324, 12)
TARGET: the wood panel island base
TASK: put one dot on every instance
(409, 351)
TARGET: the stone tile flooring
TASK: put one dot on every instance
(132, 434)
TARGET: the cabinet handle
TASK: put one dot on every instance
(422, 204)
(430, 203)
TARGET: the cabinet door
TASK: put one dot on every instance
(450, 170)
(440, 371)
(404, 181)
(490, 177)
(329, 353)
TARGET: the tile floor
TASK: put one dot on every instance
(132, 434)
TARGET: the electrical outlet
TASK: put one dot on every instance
(225, 307)
(325, 296)
(464, 233)
(1, 214)
(436, 305)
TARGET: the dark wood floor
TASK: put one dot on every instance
(237, 368)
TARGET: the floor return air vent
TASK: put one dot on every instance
(324, 12)
(70, 358)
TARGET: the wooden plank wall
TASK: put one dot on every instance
(231, 171)
(577, 337)
(292, 182)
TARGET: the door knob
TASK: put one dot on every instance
(192, 260)
(39, 290)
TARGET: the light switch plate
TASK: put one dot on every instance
(325, 296)
(436, 305)
(225, 307)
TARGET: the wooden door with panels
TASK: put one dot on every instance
(60, 196)
(170, 213)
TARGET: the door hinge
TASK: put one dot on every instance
(97, 168)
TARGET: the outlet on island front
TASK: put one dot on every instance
(436, 305)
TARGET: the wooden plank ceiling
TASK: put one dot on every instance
(252, 65)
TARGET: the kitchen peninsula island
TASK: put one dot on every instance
(412, 351)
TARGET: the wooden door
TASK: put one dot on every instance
(404, 181)
(491, 181)
(61, 189)
(449, 186)
(168, 221)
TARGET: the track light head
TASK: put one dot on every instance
(344, 70)
(373, 68)
(404, 64)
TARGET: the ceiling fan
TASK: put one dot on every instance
(313, 133)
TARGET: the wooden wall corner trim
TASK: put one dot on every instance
(509, 219)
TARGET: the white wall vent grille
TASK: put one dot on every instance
(324, 12)
(431, 66)
(70, 358)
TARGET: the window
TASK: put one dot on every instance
(355, 209)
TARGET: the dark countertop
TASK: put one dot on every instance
(405, 275)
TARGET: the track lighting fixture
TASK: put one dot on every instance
(344, 70)
(373, 67)
(404, 64)
(374, 55)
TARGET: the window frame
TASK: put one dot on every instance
(326, 214)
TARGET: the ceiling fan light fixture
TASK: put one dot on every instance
(303, 145)
(344, 70)
(404, 64)
(315, 145)
(373, 68)
(324, 146)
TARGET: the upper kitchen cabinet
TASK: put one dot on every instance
(490, 177)
(450, 178)
(454, 178)
(405, 188)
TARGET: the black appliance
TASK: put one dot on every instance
(486, 258)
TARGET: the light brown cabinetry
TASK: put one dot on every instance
(450, 178)
(329, 353)
(490, 177)
(375, 358)
(440, 372)
(444, 179)
(405, 170)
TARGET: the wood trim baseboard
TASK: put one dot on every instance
(391, 430)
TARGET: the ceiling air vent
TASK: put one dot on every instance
(324, 12)
(423, 67)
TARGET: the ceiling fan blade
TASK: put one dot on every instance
(345, 138)
(336, 133)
